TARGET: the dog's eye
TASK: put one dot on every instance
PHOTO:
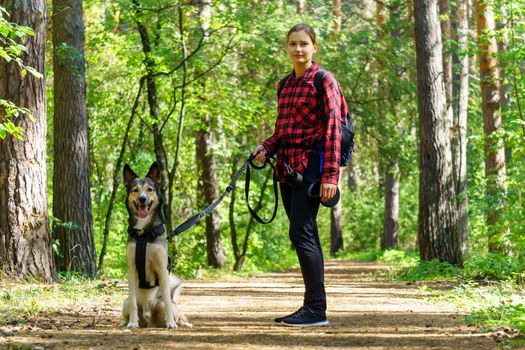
(136, 190)
(150, 189)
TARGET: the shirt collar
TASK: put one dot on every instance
(308, 73)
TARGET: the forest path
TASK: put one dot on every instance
(366, 311)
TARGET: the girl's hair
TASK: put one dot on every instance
(305, 28)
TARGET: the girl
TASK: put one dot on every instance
(306, 140)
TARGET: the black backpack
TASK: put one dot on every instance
(347, 125)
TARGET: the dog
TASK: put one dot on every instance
(152, 300)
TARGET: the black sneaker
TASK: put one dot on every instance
(280, 319)
(305, 317)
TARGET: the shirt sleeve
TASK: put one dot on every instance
(271, 144)
(332, 152)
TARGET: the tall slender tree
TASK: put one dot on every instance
(148, 41)
(437, 232)
(71, 186)
(25, 241)
(388, 161)
(494, 151)
(459, 150)
(336, 212)
(207, 164)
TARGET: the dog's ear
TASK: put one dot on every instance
(154, 173)
(129, 175)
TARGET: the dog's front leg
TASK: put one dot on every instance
(164, 281)
(132, 301)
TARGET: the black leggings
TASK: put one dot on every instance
(302, 213)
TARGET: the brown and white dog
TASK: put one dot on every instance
(154, 306)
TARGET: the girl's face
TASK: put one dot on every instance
(301, 48)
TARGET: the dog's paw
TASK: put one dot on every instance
(187, 324)
(133, 325)
(171, 325)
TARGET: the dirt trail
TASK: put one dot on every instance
(365, 312)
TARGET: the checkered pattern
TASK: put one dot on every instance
(301, 123)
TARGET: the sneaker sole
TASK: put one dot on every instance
(316, 324)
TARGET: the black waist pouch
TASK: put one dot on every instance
(313, 170)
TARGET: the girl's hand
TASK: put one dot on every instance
(260, 153)
(327, 191)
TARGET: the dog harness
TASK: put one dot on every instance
(140, 253)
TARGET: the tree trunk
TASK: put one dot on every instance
(437, 232)
(338, 16)
(208, 173)
(25, 242)
(390, 226)
(460, 127)
(117, 176)
(182, 116)
(336, 231)
(352, 177)
(71, 185)
(158, 140)
(494, 150)
(389, 163)
(208, 185)
(300, 7)
(446, 31)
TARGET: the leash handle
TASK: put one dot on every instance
(247, 191)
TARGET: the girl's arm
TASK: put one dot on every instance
(332, 152)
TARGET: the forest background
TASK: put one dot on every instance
(192, 85)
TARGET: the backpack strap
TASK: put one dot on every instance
(319, 88)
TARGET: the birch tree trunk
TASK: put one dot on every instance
(71, 185)
(25, 241)
(437, 231)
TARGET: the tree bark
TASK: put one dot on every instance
(460, 127)
(336, 231)
(208, 167)
(338, 16)
(25, 241)
(208, 186)
(446, 31)
(71, 184)
(437, 231)
(391, 220)
(300, 7)
(494, 151)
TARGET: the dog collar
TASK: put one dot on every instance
(147, 236)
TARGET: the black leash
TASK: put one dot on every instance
(247, 191)
(245, 167)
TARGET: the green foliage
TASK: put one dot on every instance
(494, 266)
(498, 316)
(232, 81)
(492, 305)
(11, 50)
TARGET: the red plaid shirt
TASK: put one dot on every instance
(300, 122)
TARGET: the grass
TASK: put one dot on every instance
(19, 302)
(489, 288)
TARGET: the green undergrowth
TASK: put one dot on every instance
(21, 302)
(489, 289)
